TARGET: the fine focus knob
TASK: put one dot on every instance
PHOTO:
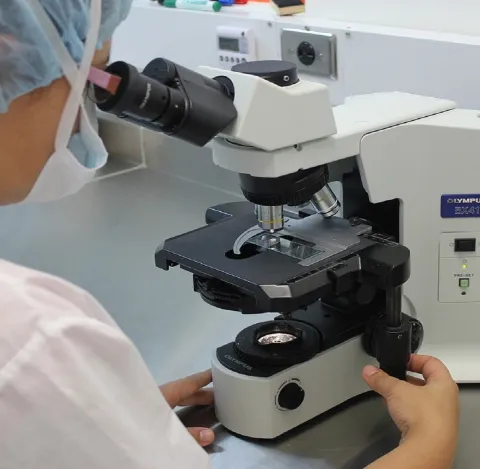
(417, 334)
(277, 72)
(291, 396)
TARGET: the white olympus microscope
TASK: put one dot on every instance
(409, 168)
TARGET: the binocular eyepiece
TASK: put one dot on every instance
(171, 99)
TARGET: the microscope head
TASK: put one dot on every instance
(261, 105)
(275, 109)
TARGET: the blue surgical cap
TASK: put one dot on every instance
(27, 60)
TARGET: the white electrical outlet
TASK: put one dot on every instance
(312, 52)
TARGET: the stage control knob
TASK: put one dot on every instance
(291, 396)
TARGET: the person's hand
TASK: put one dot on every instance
(425, 410)
(102, 56)
(190, 391)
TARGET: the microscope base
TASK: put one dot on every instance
(256, 407)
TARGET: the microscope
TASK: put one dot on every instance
(335, 265)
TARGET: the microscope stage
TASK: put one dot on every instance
(282, 272)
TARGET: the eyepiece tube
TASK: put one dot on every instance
(270, 218)
(171, 99)
(141, 98)
(325, 202)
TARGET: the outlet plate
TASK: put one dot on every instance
(323, 46)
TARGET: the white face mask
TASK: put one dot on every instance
(65, 173)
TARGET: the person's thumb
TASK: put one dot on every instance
(203, 436)
(379, 381)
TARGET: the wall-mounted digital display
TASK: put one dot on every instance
(230, 44)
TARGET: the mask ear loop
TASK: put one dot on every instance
(76, 76)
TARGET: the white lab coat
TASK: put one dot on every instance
(74, 391)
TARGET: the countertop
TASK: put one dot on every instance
(104, 240)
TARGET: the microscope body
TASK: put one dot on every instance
(352, 286)
(418, 183)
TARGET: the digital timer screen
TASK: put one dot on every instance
(226, 43)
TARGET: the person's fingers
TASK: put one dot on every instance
(431, 368)
(379, 381)
(166, 390)
(203, 436)
(202, 397)
(415, 381)
(178, 391)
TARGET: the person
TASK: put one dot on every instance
(74, 391)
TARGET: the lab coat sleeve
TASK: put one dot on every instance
(78, 395)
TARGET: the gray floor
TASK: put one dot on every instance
(104, 240)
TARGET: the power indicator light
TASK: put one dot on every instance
(464, 266)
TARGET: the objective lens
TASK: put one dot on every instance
(270, 218)
(325, 202)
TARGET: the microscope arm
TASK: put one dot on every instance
(359, 116)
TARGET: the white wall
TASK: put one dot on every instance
(454, 16)
(371, 58)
